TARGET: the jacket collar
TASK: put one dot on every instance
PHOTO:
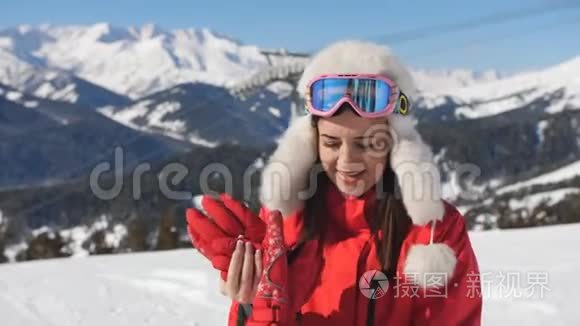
(347, 213)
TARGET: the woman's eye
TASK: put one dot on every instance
(363, 146)
(331, 144)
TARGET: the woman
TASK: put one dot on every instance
(373, 213)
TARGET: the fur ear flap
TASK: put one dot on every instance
(417, 173)
(287, 173)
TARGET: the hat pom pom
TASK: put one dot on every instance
(427, 265)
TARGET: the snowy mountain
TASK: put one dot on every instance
(540, 199)
(68, 218)
(138, 61)
(54, 84)
(133, 61)
(551, 90)
(513, 127)
(180, 287)
(448, 80)
(207, 115)
(45, 141)
(507, 147)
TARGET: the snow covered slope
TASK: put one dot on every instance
(549, 251)
(180, 288)
(206, 115)
(564, 173)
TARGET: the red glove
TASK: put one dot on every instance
(215, 235)
(283, 289)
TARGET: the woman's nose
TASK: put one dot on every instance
(347, 154)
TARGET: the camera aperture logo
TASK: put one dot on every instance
(373, 284)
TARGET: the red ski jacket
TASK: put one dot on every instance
(348, 251)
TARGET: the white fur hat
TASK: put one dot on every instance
(288, 170)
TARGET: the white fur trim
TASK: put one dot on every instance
(417, 173)
(288, 170)
(404, 126)
(434, 260)
(354, 56)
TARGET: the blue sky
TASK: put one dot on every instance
(542, 38)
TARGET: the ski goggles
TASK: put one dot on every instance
(370, 95)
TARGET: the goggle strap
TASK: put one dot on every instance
(402, 104)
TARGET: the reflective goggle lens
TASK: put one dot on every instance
(370, 95)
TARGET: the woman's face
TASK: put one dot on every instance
(353, 150)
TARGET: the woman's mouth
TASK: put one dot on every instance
(349, 177)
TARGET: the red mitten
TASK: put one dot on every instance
(215, 235)
(235, 218)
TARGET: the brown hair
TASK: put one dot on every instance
(390, 217)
